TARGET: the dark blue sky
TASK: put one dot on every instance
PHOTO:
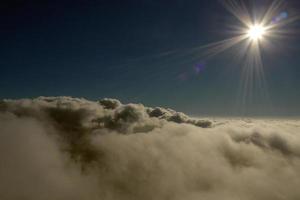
(138, 51)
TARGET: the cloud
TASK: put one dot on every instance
(108, 103)
(177, 117)
(32, 164)
(70, 148)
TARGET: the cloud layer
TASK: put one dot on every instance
(70, 148)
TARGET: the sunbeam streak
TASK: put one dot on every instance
(255, 31)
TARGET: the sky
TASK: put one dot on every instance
(138, 51)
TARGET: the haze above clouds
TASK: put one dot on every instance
(70, 148)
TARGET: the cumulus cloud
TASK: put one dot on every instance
(110, 103)
(70, 148)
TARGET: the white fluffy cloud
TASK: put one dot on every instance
(67, 148)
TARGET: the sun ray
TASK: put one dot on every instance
(239, 10)
(253, 34)
(271, 12)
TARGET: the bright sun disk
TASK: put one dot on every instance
(256, 32)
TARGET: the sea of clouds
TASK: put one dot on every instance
(58, 148)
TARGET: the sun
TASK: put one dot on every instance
(256, 32)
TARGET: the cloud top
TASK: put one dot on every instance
(72, 148)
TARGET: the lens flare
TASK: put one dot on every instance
(253, 32)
